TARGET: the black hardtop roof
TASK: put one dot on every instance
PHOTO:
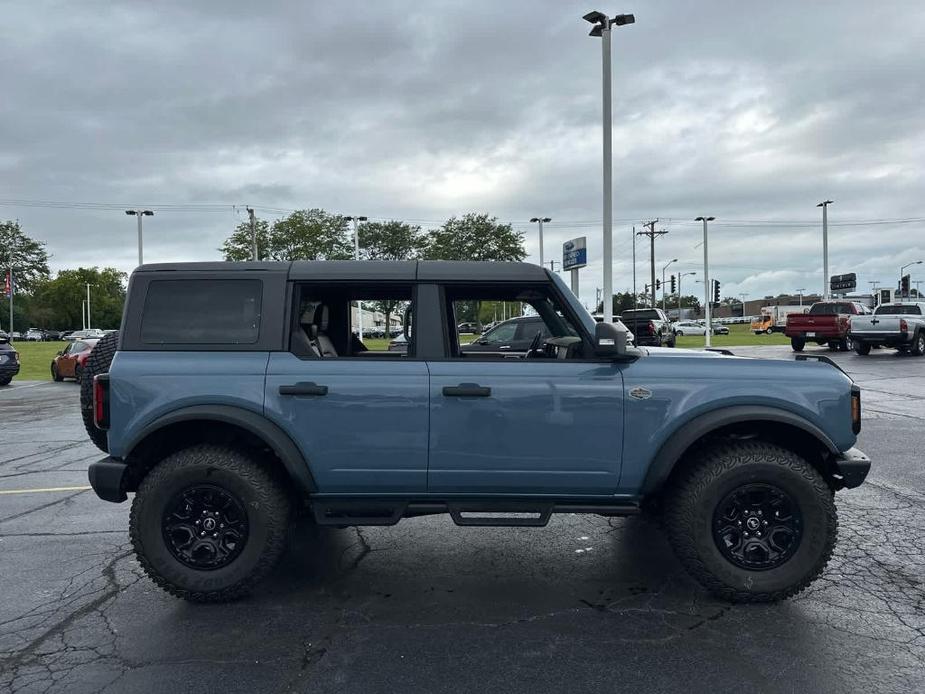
(375, 270)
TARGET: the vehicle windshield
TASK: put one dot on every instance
(899, 310)
(580, 311)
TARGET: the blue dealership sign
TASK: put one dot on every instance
(574, 254)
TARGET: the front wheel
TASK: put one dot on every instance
(6, 380)
(770, 331)
(751, 521)
(797, 344)
(55, 376)
(208, 523)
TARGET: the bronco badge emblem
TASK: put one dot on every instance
(640, 393)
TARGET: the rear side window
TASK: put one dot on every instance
(218, 312)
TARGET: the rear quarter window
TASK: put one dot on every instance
(203, 311)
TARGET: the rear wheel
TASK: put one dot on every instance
(97, 363)
(769, 331)
(862, 348)
(751, 521)
(55, 376)
(918, 344)
(6, 380)
(208, 523)
(797, 344)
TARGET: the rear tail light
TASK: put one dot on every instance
(651, 328)
(903, 326)
(848, 325)
(101, 401)
(855, 409)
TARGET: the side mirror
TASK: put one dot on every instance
(60, 352)
(610, 339)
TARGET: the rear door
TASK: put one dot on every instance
(359, 413)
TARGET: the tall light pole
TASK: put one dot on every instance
(801, 294)
(673, 260)
(902, 269)
(680, 275)
(540, 220)
(602, 26)
(88, 306)
(825, 248)
(140, 214)
(356, 256)
(706, 278)
(742, 298)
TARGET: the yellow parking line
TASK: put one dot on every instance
(45, 489)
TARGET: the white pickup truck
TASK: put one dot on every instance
(900, 325)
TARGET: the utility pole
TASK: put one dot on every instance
(825, 248)
(11, 283)
(602, 28)
(253, 221)
(552, 265)
(356, 256)
(801, 294)
(540, 220)
(652, 233)
(140, 214)
(634, 268)
(706, 278)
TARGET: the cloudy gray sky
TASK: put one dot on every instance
(750, 112)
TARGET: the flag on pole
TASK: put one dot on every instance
(8, 286)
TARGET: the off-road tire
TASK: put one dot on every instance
(717, 470)
(862, 348)
(797, 344)
(97, 363)
(268, 510)
(918, 344)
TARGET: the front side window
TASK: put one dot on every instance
(198, 312)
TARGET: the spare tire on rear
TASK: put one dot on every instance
(97, 363)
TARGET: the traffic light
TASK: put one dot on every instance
(904, 285)
(715, 291)
(658, 285)
(646, 289)
(674, 286)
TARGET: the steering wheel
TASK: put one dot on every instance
(532, 351)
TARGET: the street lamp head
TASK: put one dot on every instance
(622, 19)
(131, 212)
(362, 219)
(704, 219)
(547, 219)
(147, 213)
(596, 31)
(534, 219)
(824, 203)
(674, 260)
(595, 17)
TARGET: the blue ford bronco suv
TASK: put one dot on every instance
(240, 395)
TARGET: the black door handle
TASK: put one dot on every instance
(467, 390)
(303, 388)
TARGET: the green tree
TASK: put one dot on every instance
(475, 237)
(391, 240)
(57, 303)
(238, 246)
(27, 257)
(304, 235)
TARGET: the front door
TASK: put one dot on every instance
(545, 422)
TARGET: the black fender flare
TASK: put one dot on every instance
(275, 438)
(682, 438)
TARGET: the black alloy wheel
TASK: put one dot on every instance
(757, 526)
(205, 527)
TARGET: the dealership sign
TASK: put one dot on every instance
(574, 254)
(843, 283)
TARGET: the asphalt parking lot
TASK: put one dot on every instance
(586, 605)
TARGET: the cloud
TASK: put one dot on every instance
(422, 112)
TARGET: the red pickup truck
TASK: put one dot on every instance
(826, 322)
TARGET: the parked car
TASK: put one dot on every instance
(260, 417)
(900, 325)
(826, 323)
(690, 327)
(468, 328)
(720, 329)
(650, 326)
(53, 335)
(15, 335)
(34, 335)
(70, 362)
(9, 361)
